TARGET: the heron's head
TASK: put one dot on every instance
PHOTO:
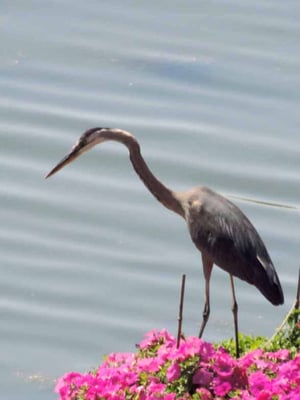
(87, 140)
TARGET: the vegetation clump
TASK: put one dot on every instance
(194, 369)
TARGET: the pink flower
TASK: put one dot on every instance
(280, 355)
(258, 382)
(224, 365)
(251, 358)
(166, 350)
(148, 364)
(156, 387)
(173, 372)
(67, 385)
(264, 395)
(206, 351)
(67, 378)
(140, 391)
(239, 377)
(155, 337)
(115, 359)
(170, 396)
(149, 340)
(222, 389)
(189, 348)
(202, 377)
(204, 394)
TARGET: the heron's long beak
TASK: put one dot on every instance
(66, 160)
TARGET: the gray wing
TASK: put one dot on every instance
(225, 234)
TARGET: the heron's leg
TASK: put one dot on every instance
(207, 268)
(235, 318)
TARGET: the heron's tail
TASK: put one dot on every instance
(267, 281)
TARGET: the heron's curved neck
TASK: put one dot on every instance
(163, 194)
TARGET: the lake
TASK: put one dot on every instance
(90, 260)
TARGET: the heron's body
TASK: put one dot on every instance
(225, 235)
(218, 228)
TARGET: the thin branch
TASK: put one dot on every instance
(294, 307)
(298, 293)
(180, 310)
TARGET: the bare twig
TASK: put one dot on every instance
(295, 306)
(180, 310)
(297, 301)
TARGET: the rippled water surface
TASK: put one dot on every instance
(90, 261)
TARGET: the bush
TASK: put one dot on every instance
(195, 370)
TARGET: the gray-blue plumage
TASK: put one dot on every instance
(221, 230)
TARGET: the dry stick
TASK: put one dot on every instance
(180, 310)
(298, 293)
(295, 306)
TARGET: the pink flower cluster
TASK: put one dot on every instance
(194, 370)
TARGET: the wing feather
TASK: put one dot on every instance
(221, 230)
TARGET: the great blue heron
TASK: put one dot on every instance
(218, 228)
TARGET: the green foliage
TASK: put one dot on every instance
(184, 383)
(246, 343)
(288, 337)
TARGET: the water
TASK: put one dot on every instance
(90, 261)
